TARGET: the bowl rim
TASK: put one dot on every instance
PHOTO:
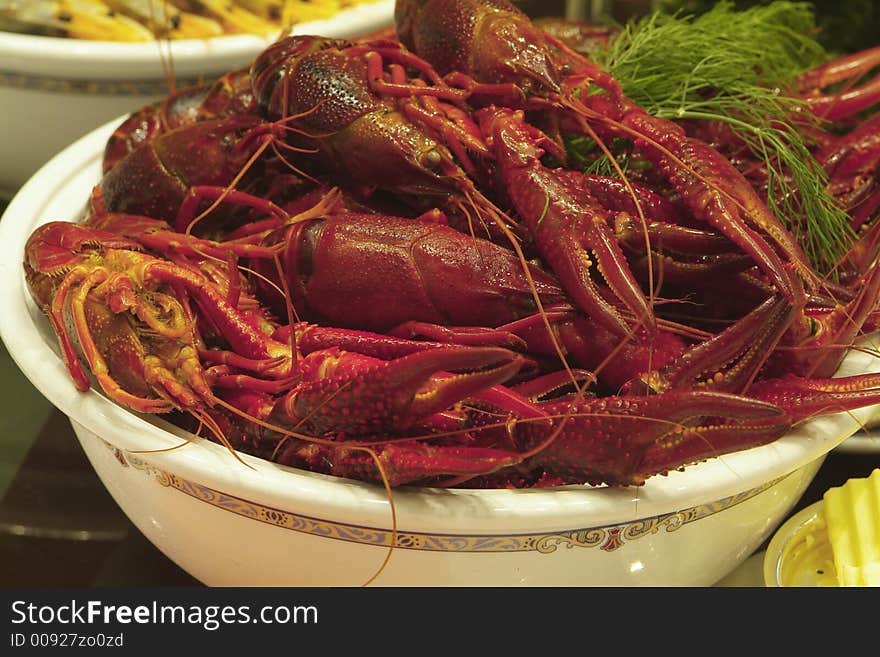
(23, 329)
(87, 59)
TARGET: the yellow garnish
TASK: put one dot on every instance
(852, 514)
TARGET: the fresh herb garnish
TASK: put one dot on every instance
(733, 67)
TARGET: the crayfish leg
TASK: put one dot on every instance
(618, 440)
(399, 463)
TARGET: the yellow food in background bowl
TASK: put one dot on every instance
(147, 20)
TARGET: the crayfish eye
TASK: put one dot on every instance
(431, 159)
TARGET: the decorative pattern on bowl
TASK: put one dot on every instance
(608, 538)
(89, 87)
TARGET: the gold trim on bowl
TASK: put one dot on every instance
(152, 87)
(607, 538)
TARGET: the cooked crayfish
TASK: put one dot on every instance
(375, 259)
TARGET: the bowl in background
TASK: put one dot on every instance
(54, 90)
(228, 524)
(864, 441)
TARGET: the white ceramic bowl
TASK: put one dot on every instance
(54, 90)
(227, 524)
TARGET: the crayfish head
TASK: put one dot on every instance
(59, 245)
(55, 248)
(513, 51)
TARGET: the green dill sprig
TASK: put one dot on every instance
(733, 67)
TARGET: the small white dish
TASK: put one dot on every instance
(799, 554)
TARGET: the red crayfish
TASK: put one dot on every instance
(373, 259)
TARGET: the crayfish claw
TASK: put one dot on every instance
(356, 394)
